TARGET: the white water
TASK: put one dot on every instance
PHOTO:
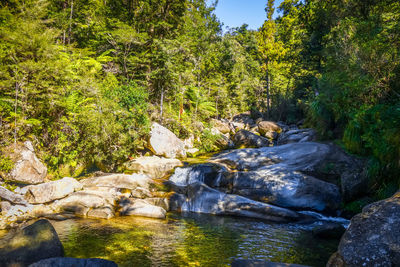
(324, 218)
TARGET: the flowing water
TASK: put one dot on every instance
(192, 240)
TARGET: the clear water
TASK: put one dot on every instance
(191, 240)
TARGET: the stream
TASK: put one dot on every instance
(191, 239)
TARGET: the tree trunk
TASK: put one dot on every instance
(162, 103)
(70, 22)
(268, 95)
(15, 113)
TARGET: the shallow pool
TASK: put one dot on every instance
(191, 240)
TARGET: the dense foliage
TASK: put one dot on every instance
(340, 63)
(83, 78)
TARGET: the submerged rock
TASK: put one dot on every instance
(47, 192)
(28, 169)
(373, 237)
(163, 142)
(72, 262)
(203, 199)
(261, 263)
(31, 244)
(154, 167)
(329, 230)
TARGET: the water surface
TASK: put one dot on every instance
(191, 240)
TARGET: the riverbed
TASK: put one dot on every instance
(192, 240)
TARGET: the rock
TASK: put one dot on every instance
(203, 199)
(329, 230)
(189, 142)
(119, 181)
(299, 135)
(163, 142)
(372, 238)
(140, 192)
(284, 175)
(265, 127)
(141, 207)
(155, 167)
(224, 142)
(5, 207)
(12, 197)
(159, 202)
(28, 169)
(288, 189)
(207, 173)
(248, 139)
(101, 213)
(72, 262)
(261, 263)
(237, 126)
(31, 244)
(244, 118)
(192, 152)
(84, 201)
(222, 126)
(47, 192)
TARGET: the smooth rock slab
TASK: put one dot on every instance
(163, 142)
(373, 237)
(31, 244)
(155, 167)
(47, 192)
(203, 199)
(72, 262)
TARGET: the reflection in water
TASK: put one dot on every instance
(191, 240)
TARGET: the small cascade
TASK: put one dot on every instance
(186, 176)
(321, 217)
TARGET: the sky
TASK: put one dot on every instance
(235, 13)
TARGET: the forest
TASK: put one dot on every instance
(83, 79)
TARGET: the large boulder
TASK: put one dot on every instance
(285, 175)
(298, 135)
(154, 167)
(244, 118)
(222, 126)
(73, 262)
(140, 207)
(204, 199)
(31, 244)
(89, 203)
(249, 139)
(373, 237)
(285, 188)
(267, 127)
(28, 169)
(12, 197)
(47, 192)
(163, 142)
